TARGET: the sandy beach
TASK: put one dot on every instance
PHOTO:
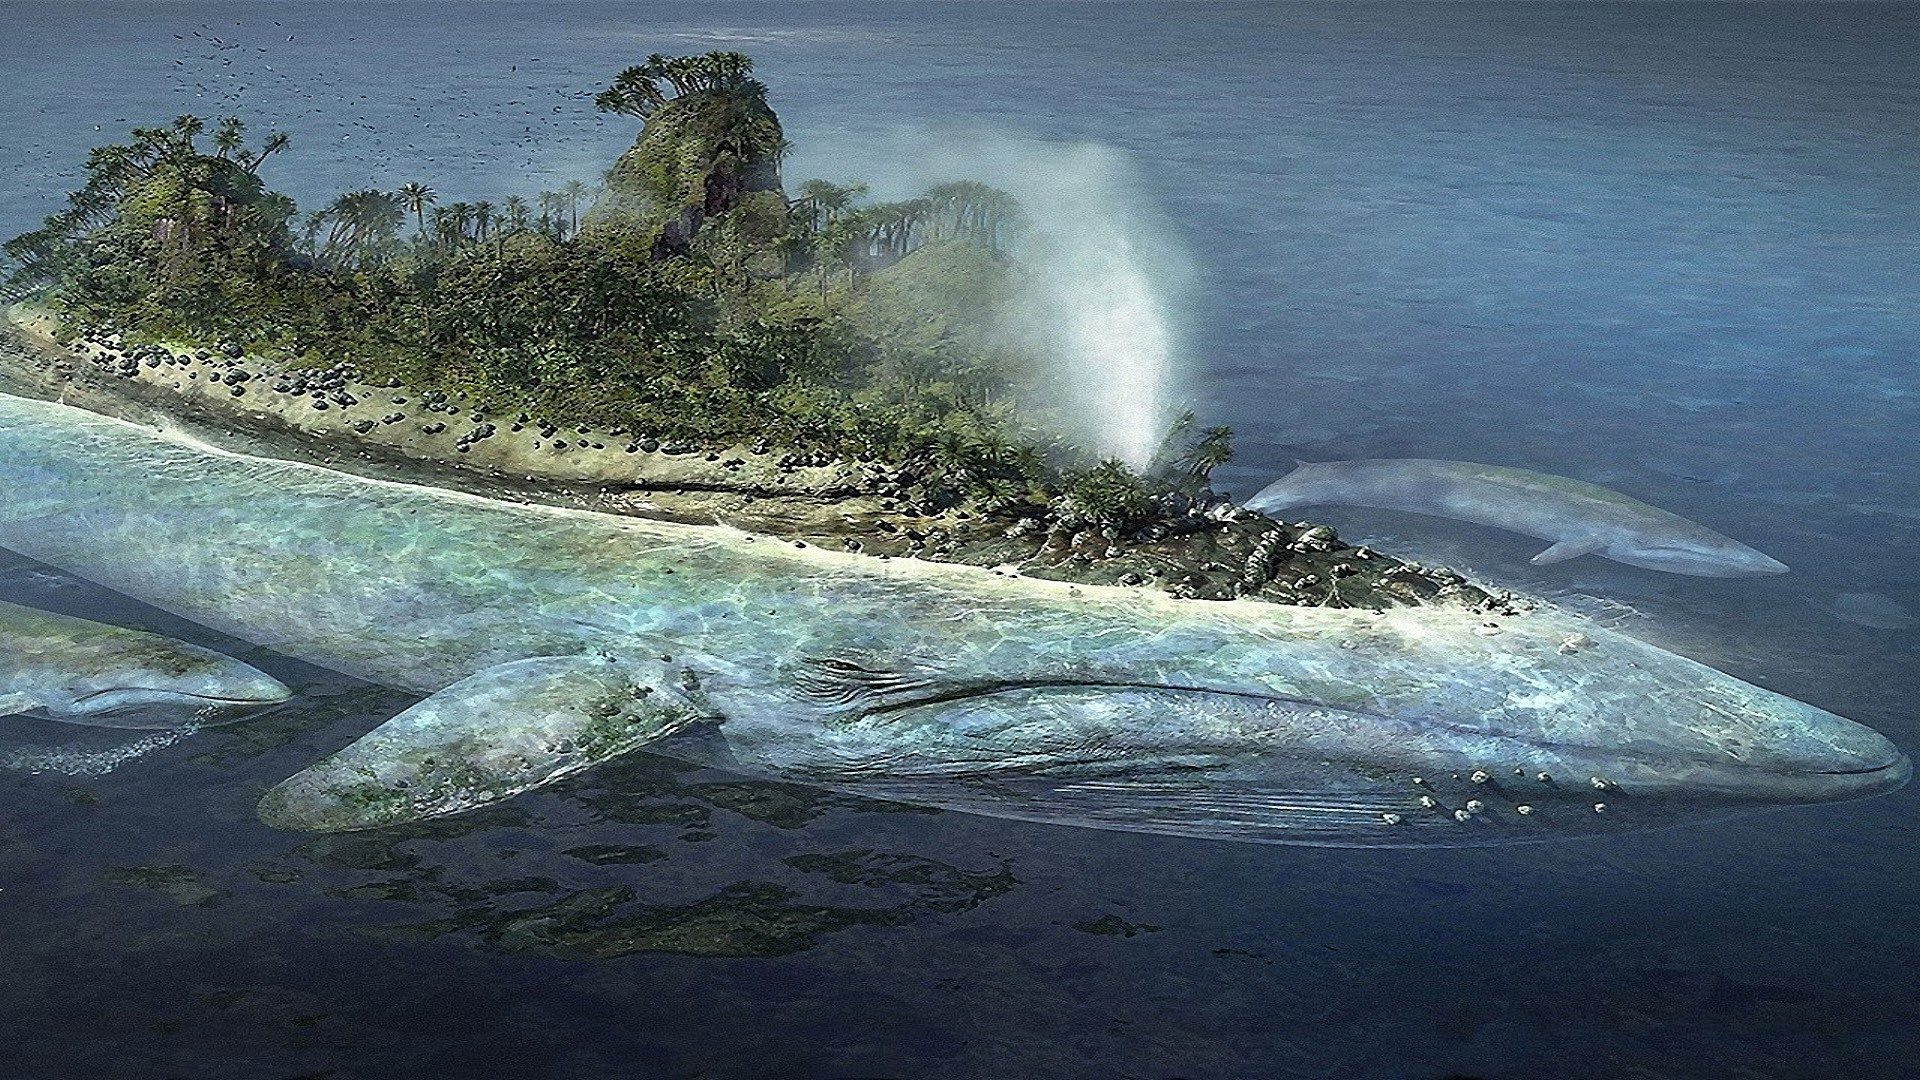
(334, 418)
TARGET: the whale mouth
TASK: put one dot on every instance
(1901, 763)
(122, 698)
(1872, 771)
(1839, 785)
(146, 707)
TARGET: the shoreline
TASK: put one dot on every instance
(331, 417)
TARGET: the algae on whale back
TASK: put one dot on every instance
(547, 640)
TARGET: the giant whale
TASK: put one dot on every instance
(1578, 517)
(546, 640)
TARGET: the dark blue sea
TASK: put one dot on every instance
(1668, 248)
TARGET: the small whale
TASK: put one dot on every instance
(82, 672)
(1580, 518)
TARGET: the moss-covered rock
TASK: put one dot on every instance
(699, 157)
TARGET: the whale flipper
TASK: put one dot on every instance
(492, 735)
(1571, 548)
(59, 667)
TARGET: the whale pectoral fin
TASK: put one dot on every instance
(864, 681)
(1571, 548)
(851, 685)
(492, 735)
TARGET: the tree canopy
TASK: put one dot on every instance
(688, 295)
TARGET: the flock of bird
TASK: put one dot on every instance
(473, 114)
(452, 117)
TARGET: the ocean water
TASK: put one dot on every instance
(1669, 248)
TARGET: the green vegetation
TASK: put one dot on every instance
(1185, 461)
(688, 297)
(1109, 494)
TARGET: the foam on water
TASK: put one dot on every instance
(73, 761)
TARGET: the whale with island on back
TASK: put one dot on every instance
(547, 640)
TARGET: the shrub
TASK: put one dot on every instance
(1109, 494)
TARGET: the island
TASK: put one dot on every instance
(689, 341)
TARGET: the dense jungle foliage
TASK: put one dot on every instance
(689, 296)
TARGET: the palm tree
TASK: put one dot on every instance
(779, 151)
(442, 222)
(727, 68)
(971, 210)
(459, 215)
(897, 223)
(417, 197)
(516, 213)
(822, 201)
(1169, 454)
(573, 192)
(364, 223)
(310, 232)
(914, 215)
(677, 70)
(340, 212)
(887, 224)
(1212, 449)
(552, 204)
(185, 127)
(953, 207)
(272, 212)
(90, 206)
(155, 145)
(109, 169)
(636, 90)
(230, 137)
(633, 93)
(842, 241)
(275, 143)
(1000, 216)
(793, 246)
(482, 217)
(381, 214)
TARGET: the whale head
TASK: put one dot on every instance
(83, 672)
(1705, 555)
(1423, 728)
(146, 698)
(213, 690)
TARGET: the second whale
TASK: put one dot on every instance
(1578, 517)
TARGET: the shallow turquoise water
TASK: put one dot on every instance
(1667, 248)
